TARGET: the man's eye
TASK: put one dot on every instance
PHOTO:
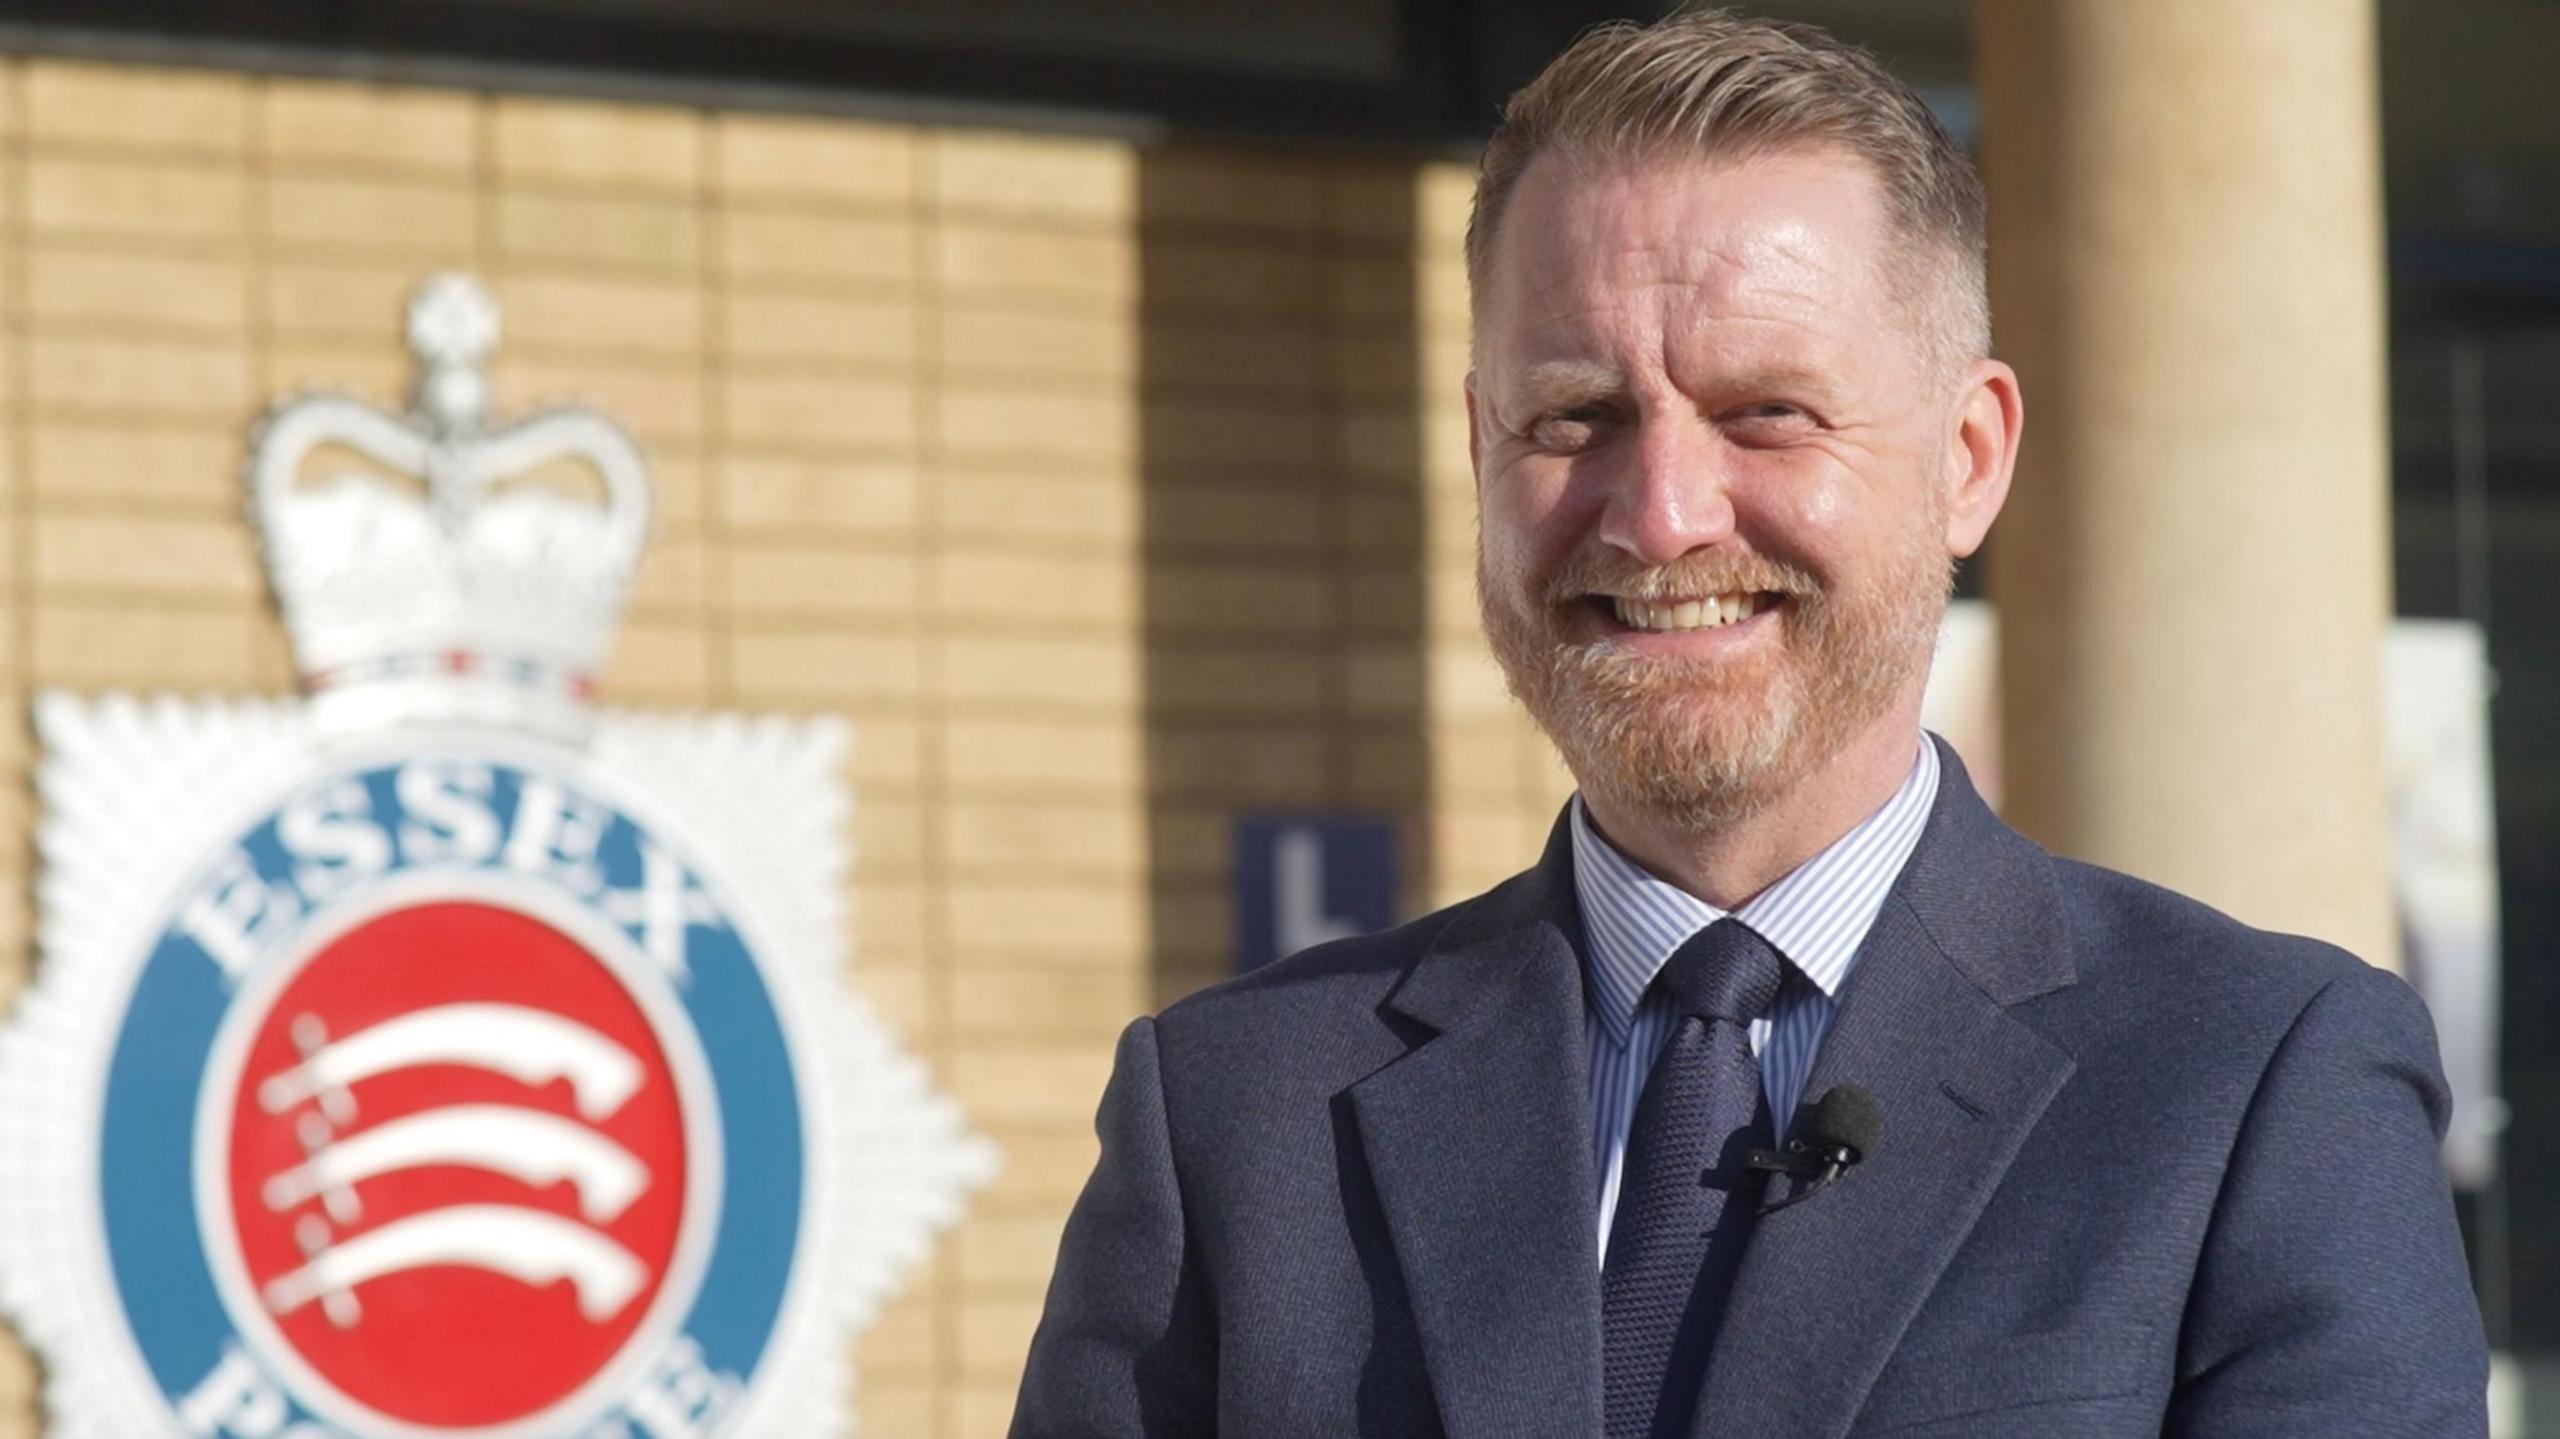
(1767, 419)
(1568, 431)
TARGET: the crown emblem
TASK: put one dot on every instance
(437, 566)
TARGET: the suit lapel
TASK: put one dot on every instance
(1479, 1141)
(1828, 1286)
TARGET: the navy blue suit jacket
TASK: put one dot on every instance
(2144, 1171)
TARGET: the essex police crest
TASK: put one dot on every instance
(438, 1055)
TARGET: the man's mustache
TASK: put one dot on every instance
(1692, 576)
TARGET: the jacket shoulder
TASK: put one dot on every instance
(2152, 959)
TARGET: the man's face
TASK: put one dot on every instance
(1713, 460)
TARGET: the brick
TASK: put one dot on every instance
(1237, 599)
(1371, 292)
(1231, 279)
(170, 376)
(661, 403)
(882, 1407)
(1014, 340)
(888, 833)
(1276, 437)
(1256, 765)
(91, 286)
(886, 750)
(1043, 505)
(1046, 591)
(1097, 427)
(1190, 841)
(906, 1339)
(1003, 1004)
(775, 579)
(787, 157)
(584, 313)
(672, 583)
(1026, 1083)
(983, 1408)
(1382, 683)
(1045, 1165)
(1253, 360)
(588, 143)
(155, 647)
(1478, 760)
(1444, 195)
(870, 414)
(661, 661)
(1373, 203)
(1012, 757)
(589, 230)
(168, 204)
(342, 300)
(1026, 838)
(1373, 362)
(201, 111)
(1007, 1254)
(369, 127)
(174, 558)
(1466, 683)
(1391, 526)
(374, 372)
(993, 261)
(821, 665)
(889, 919)
(1228, 680)
(995, 1335)
(899, 994)
(430, 219)
(1041, 177)
(769, 245)
(1229, 188)
(1202, 519)
(1441, 307)
(1389, 768)
(812, 329)
(1003, 673)
(188, 466)
(800, 494)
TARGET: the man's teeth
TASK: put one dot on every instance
(1705, 614)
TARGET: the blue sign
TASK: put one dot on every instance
(1304, 879)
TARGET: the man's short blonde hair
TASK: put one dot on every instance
(1713, 85)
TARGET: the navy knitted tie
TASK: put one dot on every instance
(1685, 1203)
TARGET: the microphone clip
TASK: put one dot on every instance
(1819, 1157)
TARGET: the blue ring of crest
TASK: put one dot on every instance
(164, 1044)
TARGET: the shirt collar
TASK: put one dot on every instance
(1817, 915)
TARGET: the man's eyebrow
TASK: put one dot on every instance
(1550, 384)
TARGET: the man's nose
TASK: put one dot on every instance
(1672, 492)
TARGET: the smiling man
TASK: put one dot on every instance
(2070, 1155)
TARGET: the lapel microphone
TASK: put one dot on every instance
(1841, 1130)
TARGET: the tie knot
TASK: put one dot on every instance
(1724, 971)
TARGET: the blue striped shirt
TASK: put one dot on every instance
(1817, 916)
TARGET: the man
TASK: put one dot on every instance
(2140, 1170)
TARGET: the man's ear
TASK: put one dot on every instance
(1982, 451)
(1475, 437)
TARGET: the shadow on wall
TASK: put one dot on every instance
(1283, 526)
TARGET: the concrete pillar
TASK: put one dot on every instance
(2193, 572)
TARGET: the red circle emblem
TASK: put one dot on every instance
(456, 1164)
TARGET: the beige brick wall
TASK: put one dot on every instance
(1106, 490)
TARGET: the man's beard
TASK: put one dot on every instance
(1702, 746)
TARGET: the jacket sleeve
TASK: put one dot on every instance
(1126, 1345)
(2333, 1297)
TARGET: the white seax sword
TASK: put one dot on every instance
(529, 1045)
(528, 1145)
(528, 1245)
